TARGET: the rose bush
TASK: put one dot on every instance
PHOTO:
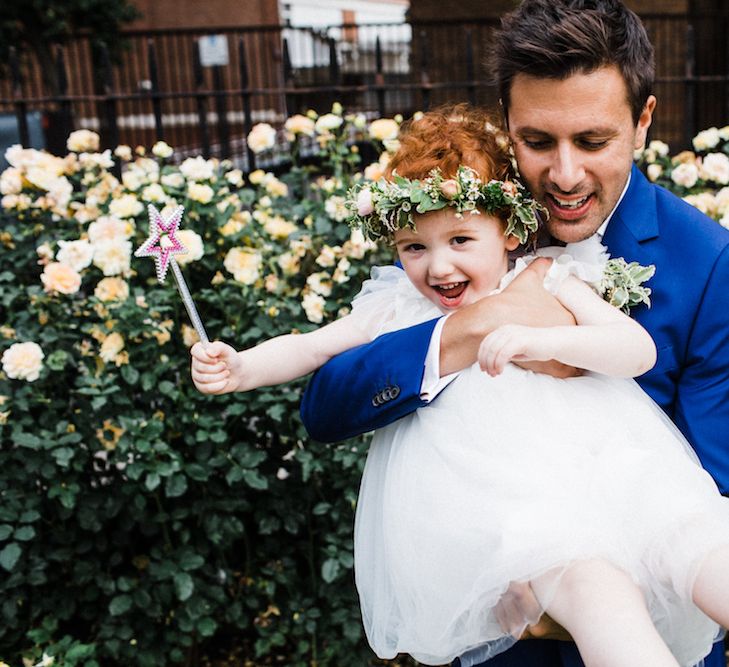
(141, 522)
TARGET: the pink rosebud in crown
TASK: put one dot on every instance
(364, 202)
(509, 188)
(450, 189)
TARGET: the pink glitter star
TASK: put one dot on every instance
(162, 242)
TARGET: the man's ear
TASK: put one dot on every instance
(644, 122)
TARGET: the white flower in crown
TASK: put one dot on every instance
(162, 242)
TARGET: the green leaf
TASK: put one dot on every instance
(24, 533)
(330, 570)
(207, 626)
(9, 556)
(191, 561)
(184, 586)
(120, 605)
(57, 360)
(5, 531)
(255, 480)
(130, 374)
(152, 481)
(27, 440)
(175, 486)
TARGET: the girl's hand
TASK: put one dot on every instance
(216, 368)
(514, 342)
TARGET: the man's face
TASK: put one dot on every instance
(574, 140)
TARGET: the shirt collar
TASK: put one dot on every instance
(600, 232)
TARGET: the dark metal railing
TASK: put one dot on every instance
(158, 87)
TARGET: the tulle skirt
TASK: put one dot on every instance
(501, 480)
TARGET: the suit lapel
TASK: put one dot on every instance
(635, 219)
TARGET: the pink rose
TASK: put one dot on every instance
(509, 188)
(450, 189)
(364, 202)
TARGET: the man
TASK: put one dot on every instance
(575, 79)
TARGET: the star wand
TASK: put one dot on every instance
(163, 244)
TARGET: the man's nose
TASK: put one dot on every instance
(566, 170)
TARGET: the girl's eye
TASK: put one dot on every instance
(460, 240)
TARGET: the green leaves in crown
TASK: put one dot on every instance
(381, 208)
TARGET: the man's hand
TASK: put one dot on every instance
(524, 301)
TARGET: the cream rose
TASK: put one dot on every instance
(60, 278)
(328, 122)
(112, 289)
(261, 138)
(76, 254)
(126, 206)
(244, 264)
(279, 228)
(384, 129)
(335, 208)
(313, 305)
(654, 171)
(111, 347)
(23, 361)
(685, 174)
(715, 167)
(108, 229)
(707, 139)
(113, 258)
(200, 193)
(11, 181)
(162, 149)
(193, 244)
(299, 124)
(197, 169)
(82, 140)
(154, 193)
(320, 283)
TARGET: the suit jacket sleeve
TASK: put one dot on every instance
(369, 386)
(702, 399)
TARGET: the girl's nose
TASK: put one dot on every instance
(440, 266)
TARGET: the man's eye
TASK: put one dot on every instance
(537, 144)
(593, 145)
(414, 247)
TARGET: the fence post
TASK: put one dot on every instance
(21, 108)
(471, 85)
(202, 115)
(154, 91)
(379, 78)
(424, 78)
(221, 109)
(690, 73)
(109, 128)
(66, 121)
(246, 99)
(288, 77)
(334, 80)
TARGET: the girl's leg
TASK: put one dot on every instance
(711, 588)
(606, 614)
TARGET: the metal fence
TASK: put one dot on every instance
(202, 90)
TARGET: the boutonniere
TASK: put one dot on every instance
(622, 284)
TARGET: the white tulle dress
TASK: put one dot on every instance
(501, 479)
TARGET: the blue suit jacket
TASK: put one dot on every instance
(688, 320)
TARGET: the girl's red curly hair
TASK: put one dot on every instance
(448, 137)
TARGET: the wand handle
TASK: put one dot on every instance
(189, 303)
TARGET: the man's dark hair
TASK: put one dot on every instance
(557, 38)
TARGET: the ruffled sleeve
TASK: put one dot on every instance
(585, 260)
(388, 301)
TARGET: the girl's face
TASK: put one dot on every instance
(454, 262)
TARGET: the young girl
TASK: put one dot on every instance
(579, 488)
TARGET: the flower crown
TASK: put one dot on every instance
(381, 208)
